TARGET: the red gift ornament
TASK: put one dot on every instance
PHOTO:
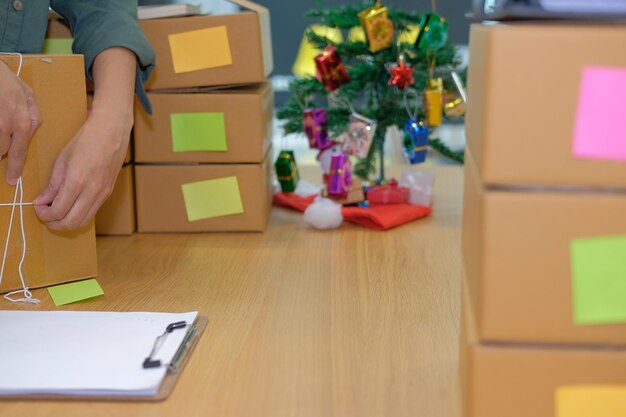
(330, 70)
(401, 74)
(388, 194)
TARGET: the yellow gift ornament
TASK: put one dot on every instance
(378, 27)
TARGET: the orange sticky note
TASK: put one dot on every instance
(200, 49)
(591, 401)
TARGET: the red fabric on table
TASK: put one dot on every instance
(378, 218)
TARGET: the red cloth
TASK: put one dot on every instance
(378, 218)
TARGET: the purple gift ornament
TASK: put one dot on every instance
(315, 125)
(340, 176)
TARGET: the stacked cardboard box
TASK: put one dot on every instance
(530, 329)
(202, 157)
(117, 214)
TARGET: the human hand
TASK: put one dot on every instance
(19, 118)
(84, 173)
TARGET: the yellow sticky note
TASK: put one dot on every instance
(591, 401)
(200, 49)
(212, 198)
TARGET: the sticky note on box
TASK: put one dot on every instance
(200, 49)
(201, 131)
(212, 198)
(591, 401)
(599, 280)
(600, 125)
(57, 46)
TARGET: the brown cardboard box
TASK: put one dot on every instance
(504, 379)
(117, 214)
(249, 43)
(516, 247)
(161, 207)
(51, 257)
(247, 123)
(523, 86)
(129, 155)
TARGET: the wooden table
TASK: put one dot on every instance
(342, 323)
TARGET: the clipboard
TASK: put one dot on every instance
(181, 358)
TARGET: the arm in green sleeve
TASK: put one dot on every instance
(101, 24)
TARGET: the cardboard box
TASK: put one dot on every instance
(504, 379)
(162, 205)
(235, 123)
(516, 253)
(211, 50)
(523, 87)
(117, 214)
(52, 257)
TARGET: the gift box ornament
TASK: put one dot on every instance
(340, 176)
(358, 140)
(355, 194)
(378, 27)
(420, 185)
(388, 194)
(315, 126)
(287, 171)
(330, 70)
(418, 145)
(433, 102)
(325, 156)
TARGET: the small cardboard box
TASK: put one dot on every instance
(51, 257)
(523, 88)
(516, 254)
(59, 38)
(233, 125)
(200, 51)
(505, 379)
(203, 197)
(117, 214)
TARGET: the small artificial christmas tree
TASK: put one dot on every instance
(391, 57)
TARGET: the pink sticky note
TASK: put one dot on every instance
(600, 126)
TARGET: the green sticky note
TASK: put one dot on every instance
(599, 280)
(75, 291)
(212, 198)
(54, 46)
(201, 131)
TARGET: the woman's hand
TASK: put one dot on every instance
(19, 118)
(85, 171)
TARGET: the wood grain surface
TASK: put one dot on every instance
(340, 323)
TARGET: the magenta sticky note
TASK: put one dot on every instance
(600, 126)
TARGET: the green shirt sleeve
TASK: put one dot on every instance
(101, 24)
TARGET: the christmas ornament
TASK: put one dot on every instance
(325, 156)
(287, 171)
(358, 140)
(433, 31)
(378, 27)
(340, 176)
(304, 65)
(315, 125)
(418, 146)
(401, 74)
(387, 194)
(433, 101)
(330, 70)
(354, 195)
(455, 101)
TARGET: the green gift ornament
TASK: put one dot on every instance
(287, 171)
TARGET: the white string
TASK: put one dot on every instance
(28, 296)
(19, 189)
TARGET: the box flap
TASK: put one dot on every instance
(266, 34)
